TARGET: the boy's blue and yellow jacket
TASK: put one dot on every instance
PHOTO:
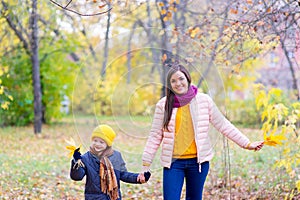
(91, 171)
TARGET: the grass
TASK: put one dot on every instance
(37, 167)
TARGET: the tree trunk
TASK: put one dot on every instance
(103, 70)
(166, 46)
(294, 79)
(36, 70)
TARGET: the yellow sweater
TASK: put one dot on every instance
(184, 143)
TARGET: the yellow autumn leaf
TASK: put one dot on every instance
(260, 23)
(161, 4)
(233, 11)
(1, 89)
(298, 185)
(261, 99)
(274, 140)
(236, 69)
(162, 12)
(70, 142)
(71, 147)
(264, 115)
(10, 97)
(194, 32)
(258, 86)
(71, 150)
(275, 91)
(173, 8)
(4, 105)
(169, 14)
(164, 57)
(102, 6)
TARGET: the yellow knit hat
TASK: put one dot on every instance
(104, 132)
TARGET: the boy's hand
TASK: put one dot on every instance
(77, 154)
(141, 178)
(77, 157)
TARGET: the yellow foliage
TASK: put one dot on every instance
(4, 105)
(1, 89)
(237, 76)
(298, 185)
(266, 128)
(274, 92)
(280, 118)
(273, 113)
(260, 100)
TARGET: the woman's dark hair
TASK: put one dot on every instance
(169, 92)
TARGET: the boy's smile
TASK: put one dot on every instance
(98, 144)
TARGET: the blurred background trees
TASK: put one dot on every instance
(107, 50)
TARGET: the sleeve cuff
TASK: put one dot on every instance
(248, 145)
(146, 164)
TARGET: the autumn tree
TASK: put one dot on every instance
(30, 44)
(23, 46)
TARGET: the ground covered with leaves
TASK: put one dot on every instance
(37, 166)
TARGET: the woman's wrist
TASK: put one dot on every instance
(145, 164)
(248, 145)
(146, 167)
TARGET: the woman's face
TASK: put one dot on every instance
(179, 83)
(99, 144)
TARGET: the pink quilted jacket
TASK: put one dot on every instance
(203, 111)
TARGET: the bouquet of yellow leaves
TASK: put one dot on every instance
(273, 140)
(74, 152)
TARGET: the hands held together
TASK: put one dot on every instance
(143, 177)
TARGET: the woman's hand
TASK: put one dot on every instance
(256, 146)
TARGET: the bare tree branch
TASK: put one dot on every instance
(15, 29)
(78, 13)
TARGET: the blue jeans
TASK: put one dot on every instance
(187, 169)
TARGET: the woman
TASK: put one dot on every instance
(181, 123)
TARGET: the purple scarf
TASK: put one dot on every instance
(186, 98)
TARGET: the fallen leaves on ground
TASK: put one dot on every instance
(34, 167)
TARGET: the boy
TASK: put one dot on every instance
(102, 166)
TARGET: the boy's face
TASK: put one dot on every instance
(98, 144)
